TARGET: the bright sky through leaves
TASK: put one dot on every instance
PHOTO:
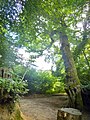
(40, 62)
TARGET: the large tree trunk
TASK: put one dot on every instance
(72, 81)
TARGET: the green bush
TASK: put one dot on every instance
(11, 89)
(43, 82)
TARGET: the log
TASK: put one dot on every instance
(69, 114)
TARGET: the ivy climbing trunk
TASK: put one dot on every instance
(72, 81)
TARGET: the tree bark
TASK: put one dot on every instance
(72, 81)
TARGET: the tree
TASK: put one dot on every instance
(53, 17)
(85, 31)
(9, 12)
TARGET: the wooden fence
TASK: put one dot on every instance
(5, 73)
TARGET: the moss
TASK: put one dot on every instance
(16, 115)
(10, 112)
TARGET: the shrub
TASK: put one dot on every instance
(43, 82)
(11, 89)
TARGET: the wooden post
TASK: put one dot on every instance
(69, 114)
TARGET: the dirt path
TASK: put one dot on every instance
(45, 108)
(42, 108)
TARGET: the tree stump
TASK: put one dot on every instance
(69, 114)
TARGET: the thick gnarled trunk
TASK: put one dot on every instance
(72, 81)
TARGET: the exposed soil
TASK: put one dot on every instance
(45, 107)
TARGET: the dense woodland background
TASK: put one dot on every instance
(59, 31)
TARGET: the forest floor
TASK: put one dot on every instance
(40, 107)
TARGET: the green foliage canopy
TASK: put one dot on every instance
(33, 22)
